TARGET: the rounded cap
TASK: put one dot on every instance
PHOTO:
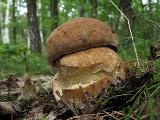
(78, 34)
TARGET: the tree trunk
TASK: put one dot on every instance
(82, 9)
(40, 23)
(14, 22)
(151, 31)
(150, 7)
(28, 40)
(142, 6)
(1, 23)
(94, 8)
(126, 6)
(117, 19)
(34, 35)
(158, 5)
(158, 10)
(54, 13)
(5, 31)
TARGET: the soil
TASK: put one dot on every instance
(45, 107)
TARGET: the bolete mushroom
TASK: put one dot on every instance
(83, 52)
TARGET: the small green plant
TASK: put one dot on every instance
(44, 118)
(16, 59)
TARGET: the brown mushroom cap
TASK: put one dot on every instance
(79, 34)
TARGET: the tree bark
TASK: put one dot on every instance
(82, 9)
(1, 24)
(5, 31)
(14, 22)
(34, 35)
(117, 19)
(40, 23)
(54, 13)
(158, 4)
(150, 10)
(126, 6)
(150, 7)
(142, 6)
(94, 8)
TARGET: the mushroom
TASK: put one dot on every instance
(83, 51)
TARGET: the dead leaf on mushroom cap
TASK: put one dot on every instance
(78, 34)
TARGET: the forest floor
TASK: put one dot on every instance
(138, 98)
(10, 91)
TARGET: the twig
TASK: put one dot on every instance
(80, 116)
(154, 92)
(6, 108)
(142, 107)
(119, 113)
(145, 117)
(152, 21)
(14, 93)
(118, 96)
(74, 107)
(67, 104)
(121, 95)
(134, 46)
(9, 85)
(136, 93)
(108, 114)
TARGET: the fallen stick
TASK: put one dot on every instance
(14, 109)
(6, 108)
(14, 93)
